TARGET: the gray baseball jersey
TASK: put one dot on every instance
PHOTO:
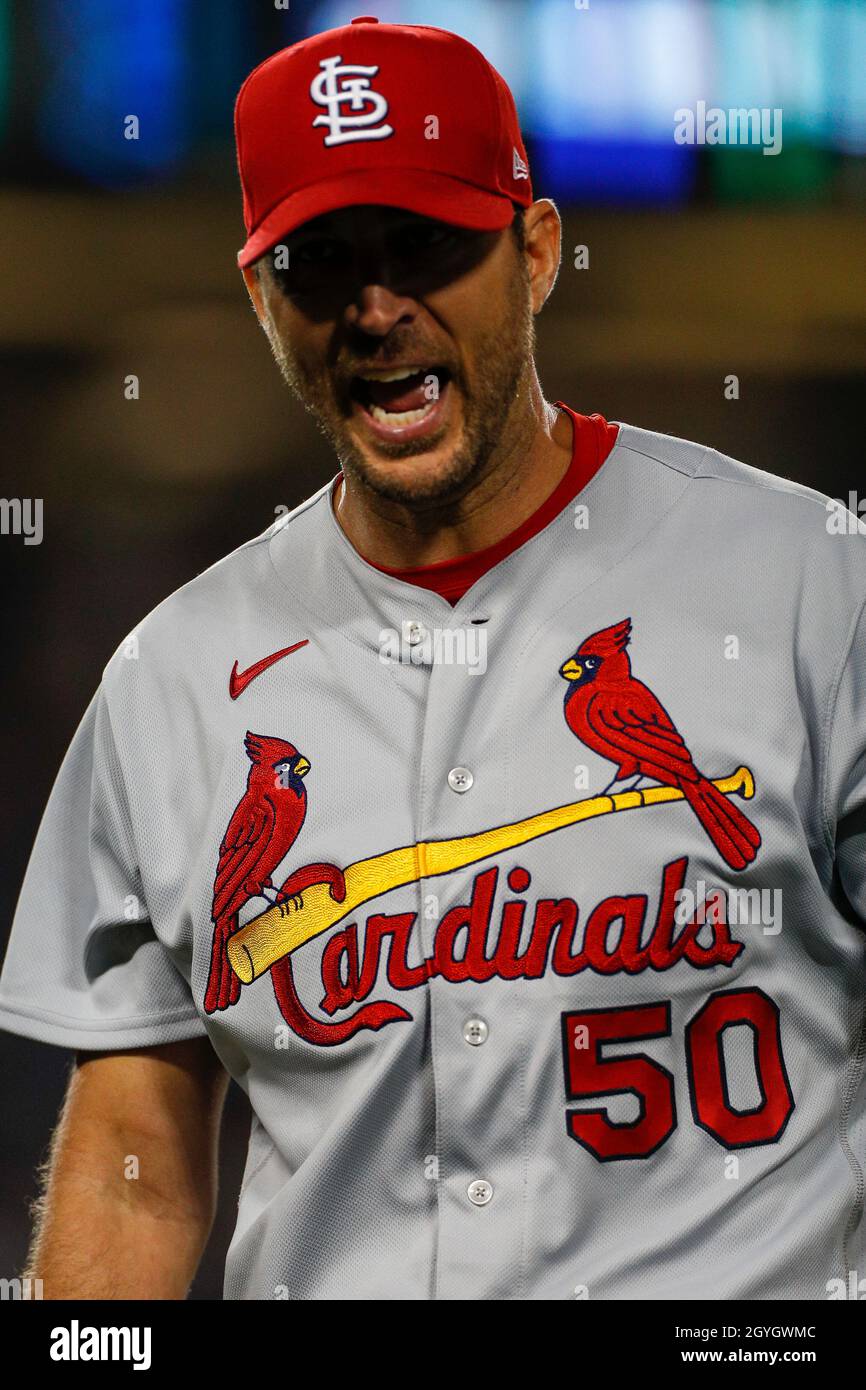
(533, 928)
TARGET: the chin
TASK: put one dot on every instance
(437, 475)
(411, 471)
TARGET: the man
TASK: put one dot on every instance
(497, 819)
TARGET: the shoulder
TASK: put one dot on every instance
(786, 516)
(708, 465)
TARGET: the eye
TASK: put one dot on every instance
(423, 236)
(319, 251)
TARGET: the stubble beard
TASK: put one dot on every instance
(504, 356)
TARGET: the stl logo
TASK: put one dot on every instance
(348, 85)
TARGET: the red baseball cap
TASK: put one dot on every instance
(406, 115)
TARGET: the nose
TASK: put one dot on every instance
(376, 309)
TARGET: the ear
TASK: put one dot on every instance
(254, 289)
(543, 249)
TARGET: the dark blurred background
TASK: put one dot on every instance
(705, 261)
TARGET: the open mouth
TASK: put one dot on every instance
(404, 399)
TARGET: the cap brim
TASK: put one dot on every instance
(429, 194)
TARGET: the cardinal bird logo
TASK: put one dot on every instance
(264, 826)
(619, 717)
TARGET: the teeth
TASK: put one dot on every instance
(399, 417)
(399, 374)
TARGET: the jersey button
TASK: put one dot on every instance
(475, 1031)
(460, 779)
(415, 633)
(479, 1192)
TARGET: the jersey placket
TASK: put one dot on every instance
(480, 1114)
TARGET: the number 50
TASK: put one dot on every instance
(590, 1075)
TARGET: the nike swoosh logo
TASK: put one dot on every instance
(239, 680)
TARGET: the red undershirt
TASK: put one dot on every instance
(593, 440)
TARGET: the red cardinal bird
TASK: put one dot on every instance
(619, 717)
(262, 830)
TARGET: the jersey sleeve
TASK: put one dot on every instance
(846, 771)
(84, 968)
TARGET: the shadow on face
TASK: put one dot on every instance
(332, 258)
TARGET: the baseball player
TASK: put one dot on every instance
(497, 818)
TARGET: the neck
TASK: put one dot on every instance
(526, 466)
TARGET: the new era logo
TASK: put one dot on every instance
(519, 167)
